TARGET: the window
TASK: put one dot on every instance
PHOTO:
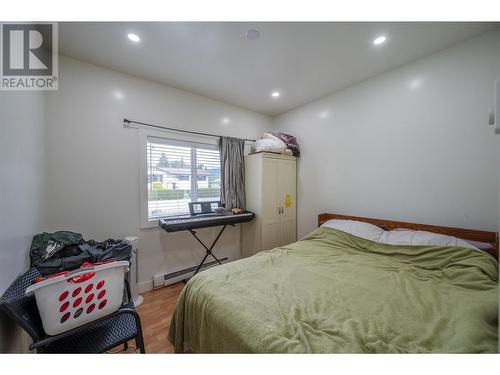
(179, 172)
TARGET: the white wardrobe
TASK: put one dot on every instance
(270, 188)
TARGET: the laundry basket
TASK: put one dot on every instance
(80, 296)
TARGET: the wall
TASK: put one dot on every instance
(411, 145)
(22, 195)
(93, 163)
(415, 137)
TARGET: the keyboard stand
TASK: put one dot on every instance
(190, 223)
(208, 250)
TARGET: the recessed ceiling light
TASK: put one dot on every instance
(252, 34)
(379, 40)
(275, 94)
(134, 37)
(226, 120)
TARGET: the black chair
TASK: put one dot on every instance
(98, 336)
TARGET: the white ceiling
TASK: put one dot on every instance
(304, 61)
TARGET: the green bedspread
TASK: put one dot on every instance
(332, 292)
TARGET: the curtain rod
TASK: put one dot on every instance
(127, 122)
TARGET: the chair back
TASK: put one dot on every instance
(22, 309)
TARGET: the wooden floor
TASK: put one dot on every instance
(156, 312)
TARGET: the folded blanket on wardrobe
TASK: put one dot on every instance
(289, 140)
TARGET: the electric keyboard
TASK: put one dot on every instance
(188, 222)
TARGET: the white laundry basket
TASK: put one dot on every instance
(80, 296)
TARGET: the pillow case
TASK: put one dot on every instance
(356, 228)
(421, 238)
(398, 236)
(480, 245)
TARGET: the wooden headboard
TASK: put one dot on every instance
(466, 234)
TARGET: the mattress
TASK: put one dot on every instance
(333, 292)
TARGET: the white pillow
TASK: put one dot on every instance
(270, 136)
(421, 238)
(395, 237)
(356, 228)
(268, 145)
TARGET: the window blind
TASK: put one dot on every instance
(179, 173)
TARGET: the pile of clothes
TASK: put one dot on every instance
(279, 143)
(52, 253)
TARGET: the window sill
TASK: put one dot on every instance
(151, 224)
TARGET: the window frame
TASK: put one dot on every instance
(172, 139)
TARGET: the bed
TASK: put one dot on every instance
(334, 292)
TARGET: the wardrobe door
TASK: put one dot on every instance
(270, 204)
(287, 201)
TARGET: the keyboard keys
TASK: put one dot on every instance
(178, 223)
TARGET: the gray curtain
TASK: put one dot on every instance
(232, 162)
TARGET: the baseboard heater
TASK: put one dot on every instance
(159, 281)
